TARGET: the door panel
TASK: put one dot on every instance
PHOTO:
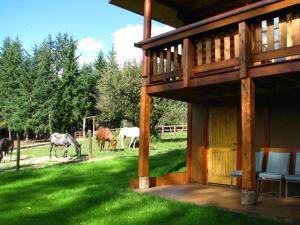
(222, 138)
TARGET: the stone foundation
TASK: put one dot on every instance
(144, 182)
(248, 197)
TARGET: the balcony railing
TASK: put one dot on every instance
(220, 44)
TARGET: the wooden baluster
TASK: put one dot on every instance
(188, 61)
(282, 33)
(212, 47)
(258, 38)
(149, 71)
(270, 34)
(168, 63)
(289, 33)
(199, 53)
(208, 50)
(289, 42)
(217, 49)
(296, 29)
(226, 47)
(161, 62)
(176, 66)
(236, 46)
(154, 63)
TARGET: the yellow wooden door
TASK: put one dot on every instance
(222, 139)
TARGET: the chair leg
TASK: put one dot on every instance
(231, 183)
(280, 188)
(257, 188)
(286, 189)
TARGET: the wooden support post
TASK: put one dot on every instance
(18, 152)
(189, 144)
(245, 48)
(248, 117)
(248, 134)
(90, 145)
(188, 60)
(145, 106)
(162, 131)
(83, 128)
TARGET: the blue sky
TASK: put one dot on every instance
(94, 23)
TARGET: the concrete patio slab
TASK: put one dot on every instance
(220, 196)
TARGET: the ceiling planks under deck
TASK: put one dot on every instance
(177, 13)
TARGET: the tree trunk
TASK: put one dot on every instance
(9, 133)
(18, 152)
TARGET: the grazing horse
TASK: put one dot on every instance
(65, 140)
(133, 132)
(6, 146)
(103, 135)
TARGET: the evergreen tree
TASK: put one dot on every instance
(68, 115)
(45, 85)
(100, 63)
(13, 69)
(108, 91)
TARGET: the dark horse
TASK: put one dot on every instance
(6, 146)
(65, 140)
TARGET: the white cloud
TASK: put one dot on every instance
(124, 39)
(88, 49)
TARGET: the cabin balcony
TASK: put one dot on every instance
(257, 41)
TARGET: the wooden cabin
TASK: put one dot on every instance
(237, 65)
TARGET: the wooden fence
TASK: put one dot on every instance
(78, 134)
(171, 129)
(161, 129)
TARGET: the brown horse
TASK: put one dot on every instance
(6, 145)
(104, 134)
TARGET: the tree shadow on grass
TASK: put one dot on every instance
(97, 193)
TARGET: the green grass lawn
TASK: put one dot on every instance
(97, 192)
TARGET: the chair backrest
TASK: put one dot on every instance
(297, 164)
(259, 158)
(278, 162)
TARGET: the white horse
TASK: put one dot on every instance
(133, 132)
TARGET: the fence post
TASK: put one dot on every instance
(162, 131)
(18, 152)
(174, 131)
(83, 128)
(90, 145)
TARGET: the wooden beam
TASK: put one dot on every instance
(275, 69)
(216, 66)
(215, 79)
(164, 87)
(145, 102)
(279, 53)
(248, 134)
